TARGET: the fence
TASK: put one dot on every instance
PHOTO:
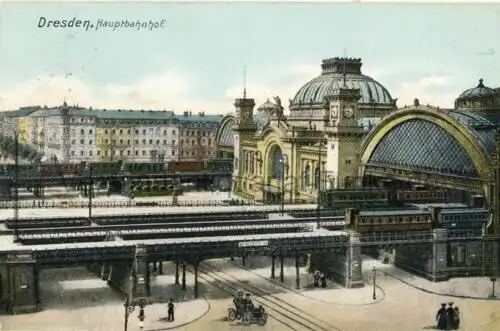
(124, 204)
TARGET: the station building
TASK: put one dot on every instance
(344, 129)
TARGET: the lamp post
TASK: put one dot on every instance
(374, 283)
(129, 306)
(318, 180)
(282, 161)
(493, 281)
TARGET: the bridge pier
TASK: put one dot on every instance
(141, 288)
(427, 260)
(297, 272)
(196, 286)
(183, 285)
(154, 267)
(19, 279)
(160, 267)
(342, 264)
(121, 276)
(106, 271)
(243, 260)
(177, 272)
(273, 267)
(282, 271)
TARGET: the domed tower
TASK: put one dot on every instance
(310, 104)
(480, 98)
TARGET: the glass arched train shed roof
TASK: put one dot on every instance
(452, 142)
(224, 136)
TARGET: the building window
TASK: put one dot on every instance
(144, 131)
(82, 131)
(151, 141)
(136, 153)
(90, 131)
(128, 131)
(105, 141)
(90, 153)
(82, 141)
(136, 131)
(72, 153)
(209, 142)
(128, 152)
(73, 142)
(316, 178)
(106, 131)
(82, 120)
(121, 153)
(277, 160)
(164, 132)
(305, 176)
(128, 141)
(105, 153)
(137, 142)
(121, 131)
(144, 141)
(90, 142)
(81, 153)
(143, 153)
(98, 153)
(173, 131)
(157, 142)
(121, 141)
(173, 153)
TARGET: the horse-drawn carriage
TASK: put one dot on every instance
(247, 312)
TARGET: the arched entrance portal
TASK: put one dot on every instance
(273, 190)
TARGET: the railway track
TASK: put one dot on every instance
(285, 313)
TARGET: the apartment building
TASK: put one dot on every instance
(198, 136)
(137, 135)
(75, 134)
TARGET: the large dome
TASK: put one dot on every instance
(334, 72)
(478, 92)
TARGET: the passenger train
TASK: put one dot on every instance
(415, 219)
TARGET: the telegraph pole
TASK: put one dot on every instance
(16, 191)
(282, 185)
(319, 183)
(90, 191)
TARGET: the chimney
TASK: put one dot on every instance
(190, 113)
(186, 113)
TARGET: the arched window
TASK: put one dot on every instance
(277, 156)
(317, 180)
(306, 175)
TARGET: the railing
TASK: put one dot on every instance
(124, 204)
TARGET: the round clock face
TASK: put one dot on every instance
(348, 112)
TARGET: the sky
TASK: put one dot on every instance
(196, 61)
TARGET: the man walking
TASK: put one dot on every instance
(171, 307)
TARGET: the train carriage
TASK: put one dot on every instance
(388, 220)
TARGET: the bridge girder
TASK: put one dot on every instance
(475, 185)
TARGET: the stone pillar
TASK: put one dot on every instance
(154, 267)
(439, 255)
(282, 272)
(354, 277)
(106, 271)
(196, 287)
(160, 267)
(121, 277)
(273, 267)
(141, 273)
(177, 272)
(243, 260)
(297, 272)
(22, 288)
(183, 286)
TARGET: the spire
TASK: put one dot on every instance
(245, 82)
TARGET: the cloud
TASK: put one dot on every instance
(177, 90)
(428, 90)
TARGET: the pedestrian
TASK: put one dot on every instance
(171, 307)
(141, 318)
(457, 318)
(316, 278)
(450, 317)
(323, 280)
(441, 317)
